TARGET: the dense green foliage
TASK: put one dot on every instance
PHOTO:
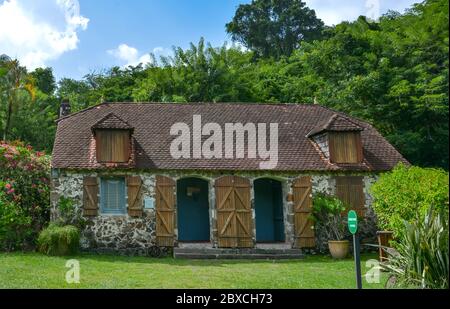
(274, 28)
(392, 73)
(59, 240)
(407, 192)
(327, 215)
(24, 195)
(69, 214)
(421, 256)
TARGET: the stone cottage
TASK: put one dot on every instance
(207, 175)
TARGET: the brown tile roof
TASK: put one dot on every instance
(335, 123)
(112, 121)
(74, 146)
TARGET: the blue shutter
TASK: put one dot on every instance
(112, 196)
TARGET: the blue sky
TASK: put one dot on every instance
(76, 37)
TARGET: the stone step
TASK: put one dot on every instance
(243, 256)
(241, 253)
(237, 251)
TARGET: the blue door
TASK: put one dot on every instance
(193, 210)
(268, 211)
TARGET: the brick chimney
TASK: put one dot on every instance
(64, 109)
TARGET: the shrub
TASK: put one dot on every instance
(68, 214)
(24, 183)
(59, 240)
(421, 257)
(327, 214)
(407, 191)
(14, 225)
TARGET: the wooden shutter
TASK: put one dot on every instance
(113, 145)
(165, 208)
(303, 225)
(350, 189)
(90, 196)
(234, 214)
(134, 184)
(345, 147)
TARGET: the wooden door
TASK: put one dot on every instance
(303, 225)
(350, 190)
(234, 213)
(165, 208)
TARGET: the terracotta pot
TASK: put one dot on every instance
(339, 248)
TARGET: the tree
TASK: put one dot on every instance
(44, 80)
(274, 28)
(15, 83)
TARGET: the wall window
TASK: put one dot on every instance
(345, 147)
(113, 145)
(112, 196)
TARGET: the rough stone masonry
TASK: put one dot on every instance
(123, 234)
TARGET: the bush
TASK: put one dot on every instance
(14, 224)
(407, 191)
(24, 187)
(421, 257)
(57, 240)
(69, 215)
(327, 215)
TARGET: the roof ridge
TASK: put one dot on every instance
(187, 103)
(345, 117)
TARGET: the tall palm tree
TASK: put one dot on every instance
(14, 80)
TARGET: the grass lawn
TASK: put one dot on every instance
(32, 270)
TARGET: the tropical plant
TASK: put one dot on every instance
(421, 258)
(69, 214)
(327, 214)
(57, 240)
(15, 83)
(406, 192)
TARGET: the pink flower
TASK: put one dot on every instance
(8, 186)
(10, 191)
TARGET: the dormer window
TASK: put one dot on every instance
(112, 146)
(339, 139)
(112, 139)
(345, 147)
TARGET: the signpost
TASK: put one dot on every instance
(352, 222)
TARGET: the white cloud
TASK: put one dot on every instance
(35, 35)
(333, 12)
(128, 55)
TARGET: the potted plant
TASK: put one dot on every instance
(327, 214)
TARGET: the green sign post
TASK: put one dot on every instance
(352, 222)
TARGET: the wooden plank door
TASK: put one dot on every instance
(350, 190)
(234, 213)
(304, 233)
(165, 211)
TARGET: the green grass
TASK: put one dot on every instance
(32, 270)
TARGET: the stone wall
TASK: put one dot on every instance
(322, 141)
(124, 234)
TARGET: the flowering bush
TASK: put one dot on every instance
(24, 195)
